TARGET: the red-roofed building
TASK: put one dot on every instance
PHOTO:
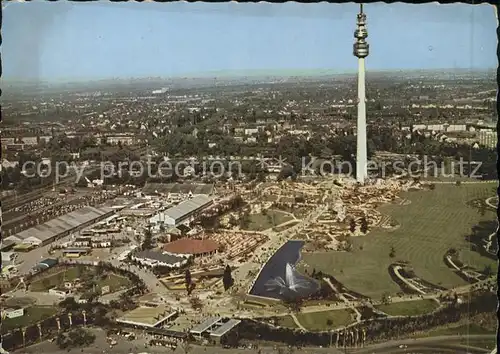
(191, 247)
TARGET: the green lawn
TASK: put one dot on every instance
(319, 321)
(115, 282)
(432, 223)
(260, 222)
(286, 321)
(31, 316)
(286, 227)
(52, 280)
(409, 308)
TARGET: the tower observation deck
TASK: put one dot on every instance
(361, 48)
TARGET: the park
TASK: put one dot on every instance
(431, 224)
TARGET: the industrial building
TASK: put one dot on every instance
(178, 189)
(182, 212)
(61, 226)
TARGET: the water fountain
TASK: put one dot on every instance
(278, 279)
(290, 284)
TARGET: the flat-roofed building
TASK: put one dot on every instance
(182, 212)
(219, 334)
(76, 252)
(215, 328)
(155, 259)
(30, 140)
(205, 326)
(148, 316)
(61, 226)
(12, 312)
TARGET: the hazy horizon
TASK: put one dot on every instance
(255, 73)
(53, 42)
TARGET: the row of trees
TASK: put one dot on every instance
(376, 329)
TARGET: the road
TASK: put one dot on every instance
(436, 345)
(432, 345)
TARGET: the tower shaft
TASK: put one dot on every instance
(361, 153)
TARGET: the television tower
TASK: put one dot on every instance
(360, 50)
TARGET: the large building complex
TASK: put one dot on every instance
(61, 226)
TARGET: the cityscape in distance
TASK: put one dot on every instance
(248, 178)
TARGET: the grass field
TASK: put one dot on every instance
(56, 279)
(114, 281)
(432, 223)
(409, 308)
(286, 321)
(260, 222)
(325, 320)
(32, 315)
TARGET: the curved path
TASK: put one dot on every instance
(404, 280)
(296, 320)
(344, 299)
(490, 200)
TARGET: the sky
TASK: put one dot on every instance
(54, 41)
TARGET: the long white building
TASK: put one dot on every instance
(182, 213)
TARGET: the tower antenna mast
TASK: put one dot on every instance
(361, 51)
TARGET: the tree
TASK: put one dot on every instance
(189, 281)
(482, 209)
(227, 278)
(75, 338)
(69, 304)
(352, 226)
(147, 244)
(196, 303)
(233, 221)
(392, 253)
(364, 225)
(245, 220)
(386, 298)
(294, 303)
(487, 270)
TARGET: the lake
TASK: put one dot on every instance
(274, 272)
